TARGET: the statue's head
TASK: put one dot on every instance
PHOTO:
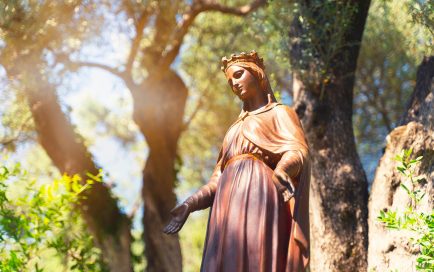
(246, 75)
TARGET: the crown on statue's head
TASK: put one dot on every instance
(243, 57)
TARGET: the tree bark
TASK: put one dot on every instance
(416, 132)
(338, 203)
(110, 227)
(159, 114)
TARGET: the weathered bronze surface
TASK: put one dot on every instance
(259, 190)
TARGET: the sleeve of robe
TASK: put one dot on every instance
(204, 197)
(279, 131)
(290, 163)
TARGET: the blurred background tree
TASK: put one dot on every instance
(135, 87)
(32, 32)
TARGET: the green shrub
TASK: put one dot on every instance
(419, 223)
(40, 227)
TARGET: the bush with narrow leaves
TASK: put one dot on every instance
(419, 223)
(40, 224)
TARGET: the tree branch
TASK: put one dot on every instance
(373, 101)
(107, 68)
(188, 18)
(7, 140)
(196, 110)
(165, 25)
(239, 11)
(75, 65)
(139, 26)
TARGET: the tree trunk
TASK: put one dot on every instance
(159, 112)
(110, 227)
(338, 203)
(416, 132)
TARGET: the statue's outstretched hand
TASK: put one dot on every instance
(179, 215)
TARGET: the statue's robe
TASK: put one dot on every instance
(278, 130)
(274, 129)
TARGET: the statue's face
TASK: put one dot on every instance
(242, 82)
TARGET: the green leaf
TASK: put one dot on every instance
(405, 188)
(398, 158)
(408, 152)
(401, 169)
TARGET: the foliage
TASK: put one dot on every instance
(100, 119)
(15, 119)
(422, 13)
(419, 223)
(138, 251)
(38, 220)
(324, 26)
(391, 49)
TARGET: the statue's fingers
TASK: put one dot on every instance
(169, 227)
(173, 227)
(286, 196)
(169, 230)
(177, 227)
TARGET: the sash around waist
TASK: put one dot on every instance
(253, 156)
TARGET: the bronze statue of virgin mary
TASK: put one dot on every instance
(259, 190)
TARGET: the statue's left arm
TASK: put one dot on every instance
(289, 167)
(286, 173)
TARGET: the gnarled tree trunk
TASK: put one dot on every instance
(388, 249)
(159, 114)
(110, 227)
(338, 202)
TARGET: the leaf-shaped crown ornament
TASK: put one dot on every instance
(243, 57)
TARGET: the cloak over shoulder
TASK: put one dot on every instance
(277, 129)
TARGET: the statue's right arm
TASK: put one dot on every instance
(204, 197)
